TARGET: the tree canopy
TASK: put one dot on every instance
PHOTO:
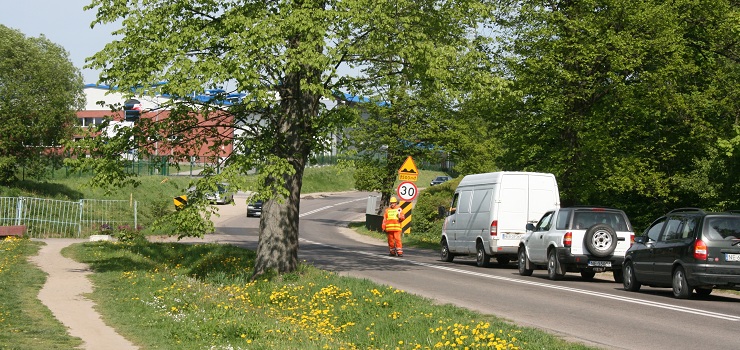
(290, 58)
(40, 90)
(629, 103)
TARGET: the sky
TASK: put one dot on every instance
(63, 22)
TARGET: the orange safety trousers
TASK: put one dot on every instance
(395, 246)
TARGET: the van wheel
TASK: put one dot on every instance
(587, 274)
(600, 240)
(522, 262)
(681, 287)
(482, 259)
(553, 266)
(503, 261)
(445, 254)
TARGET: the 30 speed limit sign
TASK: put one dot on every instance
(407, 191)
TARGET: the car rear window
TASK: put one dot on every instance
(721, 228)
(585, 219)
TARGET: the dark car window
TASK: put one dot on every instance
(585, 219)
(689, 227)
(720, 228)
(672, 230)
(545, 222)
(563, 220)
(654, 231)
(455, 202)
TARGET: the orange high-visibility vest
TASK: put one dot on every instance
(392, 220)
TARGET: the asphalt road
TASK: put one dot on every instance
(598, 313)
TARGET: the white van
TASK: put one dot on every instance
(490, 212)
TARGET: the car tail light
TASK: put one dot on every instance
(632, 239)
(568, 239)
(494, 228)
(700, 250)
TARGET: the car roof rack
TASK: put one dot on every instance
(688, 209)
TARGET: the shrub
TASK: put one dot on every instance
(426, 214)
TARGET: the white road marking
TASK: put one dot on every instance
(329, 206)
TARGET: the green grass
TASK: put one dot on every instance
(178, 296)
(25, 323)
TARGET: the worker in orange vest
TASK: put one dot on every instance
(392, 219)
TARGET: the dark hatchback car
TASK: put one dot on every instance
(440, 179)
(254, 208)
(688, 250)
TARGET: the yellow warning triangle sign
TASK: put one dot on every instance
(408, 167)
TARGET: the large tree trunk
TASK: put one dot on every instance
(278, 240)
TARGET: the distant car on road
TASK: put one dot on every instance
(254, 208)
(223, 195)
(688, 250)
(440, 179)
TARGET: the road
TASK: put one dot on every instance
(597, 313)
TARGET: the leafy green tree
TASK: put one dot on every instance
(286, 56)
(415, 108)
(40, 90)
(623, 100)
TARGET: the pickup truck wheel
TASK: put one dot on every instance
(587, 274)
(628, 280)
(482, 259)
(522, 262)
(553, 266)
(681, 287)
(600, 240)
(445, 254)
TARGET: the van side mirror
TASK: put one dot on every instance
(441, 212)
(530, 227)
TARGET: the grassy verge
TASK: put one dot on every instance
(24, 322)
(165, 295)
(177, 296)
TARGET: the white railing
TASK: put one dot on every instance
(51, 218)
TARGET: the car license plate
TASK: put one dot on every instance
(511, 236)
(600, 263)
(732, 257)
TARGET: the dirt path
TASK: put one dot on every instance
(63, 293)
(67, 283)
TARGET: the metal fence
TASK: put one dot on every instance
(51, 218)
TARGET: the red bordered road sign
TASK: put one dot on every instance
(407, 191)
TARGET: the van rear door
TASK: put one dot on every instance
(523, 198)
(512, 208)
